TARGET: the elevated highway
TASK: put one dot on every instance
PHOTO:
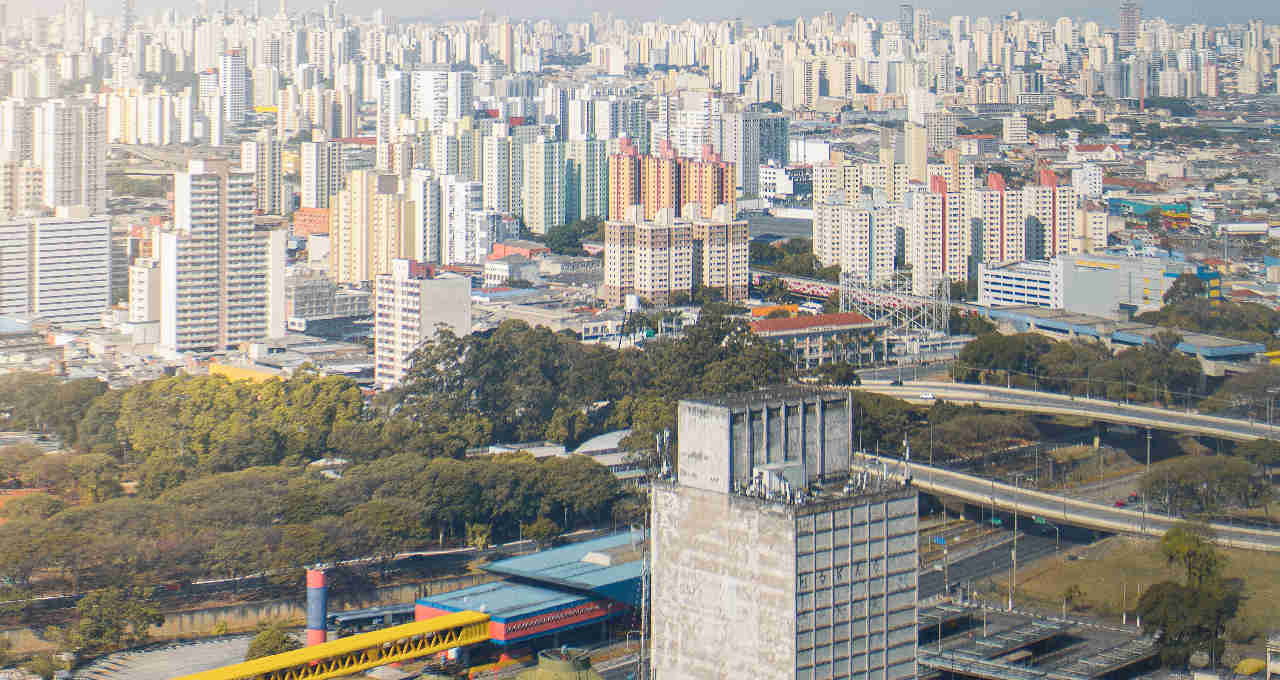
(1060, 404)
(1028, 503)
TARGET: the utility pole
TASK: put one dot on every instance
(931, 476)
(1013, 575)
(1144, 490)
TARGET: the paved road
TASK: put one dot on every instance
(1098, 409)
(1055, 508)
(990, 562)
(934, 369)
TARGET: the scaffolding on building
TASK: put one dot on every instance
(910, 310)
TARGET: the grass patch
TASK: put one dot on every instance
(1120, 565)
(1071, 454)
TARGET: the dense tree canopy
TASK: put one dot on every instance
(1155, 371)
(527, 383)
(792, 256)
(1185, 287)
(1205, 484)
(44, 403)
(1241, 320)
(566, 239)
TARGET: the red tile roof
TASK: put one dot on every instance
(802, 322)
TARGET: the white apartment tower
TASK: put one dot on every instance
(261, 156)
(460, 200)
(71, 146)
(424, 215)
(409, 308)
(440, 94)
(322, 172)
(858, 235)
(392, 102)
(650, 259)
(586, 179)
(233, 81)
(503, 173)
(936, 236)
(543, 189)
(222, 279)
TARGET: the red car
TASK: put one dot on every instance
(1121, 504)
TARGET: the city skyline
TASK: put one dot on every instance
(760, 13)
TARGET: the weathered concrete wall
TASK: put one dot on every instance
(729, 560)
(705, 447)
(721, 442)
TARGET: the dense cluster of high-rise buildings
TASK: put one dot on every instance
(363, 140)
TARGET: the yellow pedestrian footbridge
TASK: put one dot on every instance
(360, 652)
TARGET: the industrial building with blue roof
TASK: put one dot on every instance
(549, 593)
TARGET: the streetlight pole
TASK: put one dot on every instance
(1146, 477)
(1013, 575)
(931, 451)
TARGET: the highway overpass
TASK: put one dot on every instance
(1028, 503)
(1060, 404)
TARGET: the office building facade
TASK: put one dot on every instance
(57, 268)
(759, 568)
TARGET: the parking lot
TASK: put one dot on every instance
(164, 662)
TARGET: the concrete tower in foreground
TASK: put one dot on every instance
(769, 560)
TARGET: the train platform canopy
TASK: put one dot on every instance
(608, 567)
(518, 611)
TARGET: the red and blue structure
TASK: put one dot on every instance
(317, 606)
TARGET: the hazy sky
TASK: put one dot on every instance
(1180, 11)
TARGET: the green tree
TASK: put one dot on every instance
(1185, 287)
(1190, 545)
(97, 477)
(1187, 619)
(388, 526)
(832, 304)
(110, 618)
(34, 506)
(478, 535)
(541, 531)
(773, 290)
(564, 239)
(1072, 596)
(1240, 320)
(1265, 453)
(839, 373)
(44, 666)
(271, 638)
(567, 426)
(969, 324)
(15, 457)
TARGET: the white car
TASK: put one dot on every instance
(927, 395)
